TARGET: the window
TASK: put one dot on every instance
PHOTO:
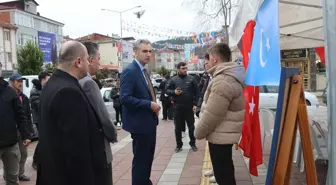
(272, 89)
(6, 35)
(24, 38)
(8, 57)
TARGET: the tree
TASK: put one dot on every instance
(30, 59)
(102, 74)
(163, 71)
(210, 13)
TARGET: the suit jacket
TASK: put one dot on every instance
(92, 91)
(136, 99)
(71, 147)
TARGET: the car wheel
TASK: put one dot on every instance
(308, 103)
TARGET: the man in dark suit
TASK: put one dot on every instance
(140, 112)
(71, 148)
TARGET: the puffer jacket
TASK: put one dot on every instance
(34, 103)
(223, 109)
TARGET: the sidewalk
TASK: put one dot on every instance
(170, 168)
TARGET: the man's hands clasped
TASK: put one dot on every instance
(155, 107)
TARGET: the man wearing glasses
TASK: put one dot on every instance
(183, 88)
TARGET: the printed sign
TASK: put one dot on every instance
(47, 43)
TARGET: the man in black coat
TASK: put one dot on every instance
(16, 82)
(164, 98)
(12, 120)
(71, 149)
(183, 88)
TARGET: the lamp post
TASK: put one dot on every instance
(121, 37)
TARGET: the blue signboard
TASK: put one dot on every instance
(47, 43)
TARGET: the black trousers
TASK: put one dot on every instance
(165, 107)
(118, 113)
(171, 111)
(222, 163)
(143, 151)
(181, 116)
(36, 150)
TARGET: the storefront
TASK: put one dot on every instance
(298, 58)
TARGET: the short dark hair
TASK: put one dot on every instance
(207, 56)
(180, 64)
(43, 75)
(221, 50)
(92, 48)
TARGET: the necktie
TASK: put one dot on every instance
(151, 89)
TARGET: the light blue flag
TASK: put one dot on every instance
(264, 65)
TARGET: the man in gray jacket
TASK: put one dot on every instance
(92, 92)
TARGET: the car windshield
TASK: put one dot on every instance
(272, 89)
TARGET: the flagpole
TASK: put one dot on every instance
(329, 14)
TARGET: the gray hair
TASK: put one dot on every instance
(138, 42)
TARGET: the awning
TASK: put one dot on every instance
(300, 23)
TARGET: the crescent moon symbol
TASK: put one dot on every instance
(262, 62)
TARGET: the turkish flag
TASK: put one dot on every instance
(250, 141)
(321, 53)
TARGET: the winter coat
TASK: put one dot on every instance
(223, 109)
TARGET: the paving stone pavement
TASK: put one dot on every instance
(170, 168)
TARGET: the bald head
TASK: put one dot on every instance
(73, 58)
(70, 51)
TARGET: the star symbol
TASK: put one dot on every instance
(251, 105)
(268, 47)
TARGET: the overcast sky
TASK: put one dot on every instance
(82, 17)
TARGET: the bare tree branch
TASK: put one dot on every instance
(212, 13)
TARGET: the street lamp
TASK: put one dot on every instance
(121, 37)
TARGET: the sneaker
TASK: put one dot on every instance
(209, 173)
(24, 178)
(183, 134)
(194, 148)
(212, 179)
(178, 149)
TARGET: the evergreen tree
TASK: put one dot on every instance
(30, 59)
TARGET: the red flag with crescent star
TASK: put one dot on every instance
(250, 141)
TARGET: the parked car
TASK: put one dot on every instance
(106, 94)
(156, 83)
(269, 97)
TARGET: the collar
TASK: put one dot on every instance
(64, 74)
(141, 66)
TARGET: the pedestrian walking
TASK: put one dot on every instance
(222, 112)
(115, 96)
(35, 93)
(12, 121)
(16, 81)
(140, 111)
(183, 88)
(71, 135)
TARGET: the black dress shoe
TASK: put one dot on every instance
(24, 178)
(194, 148)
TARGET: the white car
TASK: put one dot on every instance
(106, 94)
(156, 83)
(268, 97)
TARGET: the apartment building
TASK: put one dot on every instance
(31, 26)
(7, 46)
(168, 58)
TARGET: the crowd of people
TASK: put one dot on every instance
(75, 129)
